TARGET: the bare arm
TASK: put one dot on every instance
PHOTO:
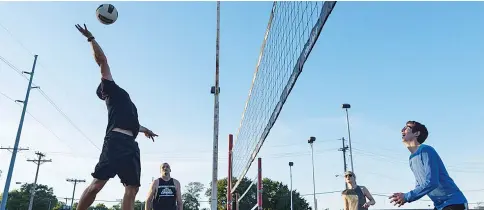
(151, 194)
(368, 195)
(98, 52)
(142, 129)
(179, 201)
(101, 60)
(148, 133)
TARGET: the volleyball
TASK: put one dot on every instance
(107, 14)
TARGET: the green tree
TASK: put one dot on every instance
(19, 199)
(275, 195)
(191, 197)
(138, 205)
(115, 207)
(60, 206)
(99, 206)
(247, 203)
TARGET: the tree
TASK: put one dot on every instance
(275, 195)
(192, 196)
(19, 199)
(99, 206)
(247, 203)
(115, 207)
(138, 205)
(61, 206)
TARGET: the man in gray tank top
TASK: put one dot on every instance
(354, 197)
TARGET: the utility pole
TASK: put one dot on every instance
(215, 90)
(344, 149)
(38, 162)
(75, 181)
(17, 138)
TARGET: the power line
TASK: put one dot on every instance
(6, 96)
(52, 103)
(67, 118)
(17, 40)
(38, 121)
(40, 90)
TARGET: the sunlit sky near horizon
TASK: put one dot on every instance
(392, 61)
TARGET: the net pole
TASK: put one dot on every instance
(216, 116)
(237, 201)
(229, 176)
(259, 184)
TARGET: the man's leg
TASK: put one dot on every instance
(89, 194)
(130, 174)
(103, 171)
(129, 197)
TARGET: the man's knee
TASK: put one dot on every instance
(131, 190)
(96, 186)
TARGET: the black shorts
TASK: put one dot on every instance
(455, 207)
(120, 156)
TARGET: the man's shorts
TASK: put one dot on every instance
(463, 206)
(120, 156)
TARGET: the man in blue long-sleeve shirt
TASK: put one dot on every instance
(430, 173)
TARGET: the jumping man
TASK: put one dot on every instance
(430, 173)
(165, 192)
(120, 153)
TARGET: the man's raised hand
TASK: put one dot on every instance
(84, 31)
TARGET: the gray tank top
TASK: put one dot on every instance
(354, 198)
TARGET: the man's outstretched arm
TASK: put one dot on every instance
(101, 60)
(148, 133)
(99, 56)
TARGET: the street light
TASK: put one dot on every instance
(290, 175)
(346, 107)
(311, 140)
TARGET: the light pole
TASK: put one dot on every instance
(290, 176)
(311, 140)
(346, 107)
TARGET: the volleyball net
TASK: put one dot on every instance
(292, 32)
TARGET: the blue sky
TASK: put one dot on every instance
(393, 61)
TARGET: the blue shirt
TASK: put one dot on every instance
(432, 179)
